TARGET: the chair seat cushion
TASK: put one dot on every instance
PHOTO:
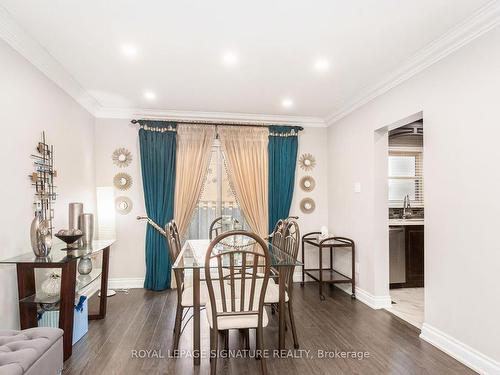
(234, 321)
(19, 350)
(273, 293)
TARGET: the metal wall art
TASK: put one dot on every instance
(122, 181)
(307, 183)
(122, 157)
(307, 205)
(307, 162)
(43, 181)
(123, 205)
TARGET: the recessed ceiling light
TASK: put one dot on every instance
(149, 95)
(321, 64)
(230, 58)
(129, 50)
(287, 103)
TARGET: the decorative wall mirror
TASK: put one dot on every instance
(307, 205)
(122, 181)
(122, 157)
(307, 162)
(123, 205)
(307, 183)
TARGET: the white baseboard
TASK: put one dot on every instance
(375, 302)
(460, 351)
(126, 283)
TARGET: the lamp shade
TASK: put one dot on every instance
(106, 221)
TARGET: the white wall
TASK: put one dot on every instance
(312, 141)
(127, 258)
(460, 103)
(30, 103)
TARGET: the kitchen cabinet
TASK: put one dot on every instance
(413, 256)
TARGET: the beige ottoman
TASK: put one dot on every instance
(34, 351)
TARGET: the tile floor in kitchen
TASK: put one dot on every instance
(409, 305)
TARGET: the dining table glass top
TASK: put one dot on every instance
(193, 254)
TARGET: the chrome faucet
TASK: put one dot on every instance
(406, 207)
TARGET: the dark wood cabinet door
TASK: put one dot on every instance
(414, 256)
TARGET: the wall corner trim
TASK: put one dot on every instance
(480, 22)
(460, 351)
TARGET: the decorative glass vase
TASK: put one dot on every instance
(52, 285)
(84, 266)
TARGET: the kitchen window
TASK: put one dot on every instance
(217, 198)
(405, 172)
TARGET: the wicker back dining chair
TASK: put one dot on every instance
(184, 292)
(236, 297)
(217, 226)
(286, 237)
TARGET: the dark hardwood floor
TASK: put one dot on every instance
(143, 320)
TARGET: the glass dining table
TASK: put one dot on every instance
(192, 259)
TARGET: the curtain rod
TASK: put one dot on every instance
(222, 123)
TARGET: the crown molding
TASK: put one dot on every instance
(480, 22)
(30, 49)
(126, 113)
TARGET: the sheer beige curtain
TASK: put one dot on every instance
(194, 145)
(245, 150)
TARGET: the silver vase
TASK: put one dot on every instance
(85, 266)
(75, 210)
(35, 224)
(86, 224)
(40, 236)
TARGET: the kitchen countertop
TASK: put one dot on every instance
(394, 222)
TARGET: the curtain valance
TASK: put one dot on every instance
(158, 126)
(284, 131)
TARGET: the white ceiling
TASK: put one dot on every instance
(180, 46)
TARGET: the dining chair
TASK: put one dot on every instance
(241, 305)
(286, 237)
(217, 226)
(184, 292)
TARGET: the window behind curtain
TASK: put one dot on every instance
(217, 198)
(405, 177)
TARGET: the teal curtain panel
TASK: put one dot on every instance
(282, 148)
(157, 141)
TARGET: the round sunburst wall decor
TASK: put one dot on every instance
(307, 162)
(122, 181)
(122, 157)
(123, 205)
(307, 205)
(307, 183)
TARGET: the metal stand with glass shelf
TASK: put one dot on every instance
(328, 275)
(71, 283)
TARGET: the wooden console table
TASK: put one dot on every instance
(71, 283)
(327, 275)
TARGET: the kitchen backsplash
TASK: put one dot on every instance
(397, 213)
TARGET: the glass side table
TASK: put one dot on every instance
(71, 283)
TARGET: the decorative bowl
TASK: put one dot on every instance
(70, 240)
